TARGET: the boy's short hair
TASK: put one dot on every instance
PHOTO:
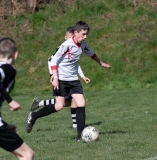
(81, 25)
(70, 29)
(7, 47)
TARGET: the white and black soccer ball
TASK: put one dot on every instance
(90, 134)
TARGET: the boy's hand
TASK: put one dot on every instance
(14, 106)
(86, 79)
(12, 126)
(105, 65)
(51, 79)
(55, 84)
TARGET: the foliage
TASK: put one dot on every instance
(122, 34)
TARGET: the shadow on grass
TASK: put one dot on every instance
(47, 129)
(91, 124)
(113, 132)
(97, 123)
(107, 132)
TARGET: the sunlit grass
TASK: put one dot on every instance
(126, 120)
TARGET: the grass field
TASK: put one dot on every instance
(126, 120)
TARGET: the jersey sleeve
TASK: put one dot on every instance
(7, 76)
(49, 65)
(4, 93)
(62, 50)
(80, 72)
(88, 51)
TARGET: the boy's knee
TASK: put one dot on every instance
(81, 103)
(58, 107)
(30, 154)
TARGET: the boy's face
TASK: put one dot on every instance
(68, 35)
(80, 36)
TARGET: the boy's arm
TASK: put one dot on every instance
(14, 106)
(80, 72)
(49, 68)
(55, 79)
(90, 52)
(86, 79)
(62, 50)
(4, 93)
(49, 65)
(94, 57)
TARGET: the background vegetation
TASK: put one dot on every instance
(123, 34)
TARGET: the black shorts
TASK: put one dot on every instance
(68, 97)
(67, 88)
(9, 140)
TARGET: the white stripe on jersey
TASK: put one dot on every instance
(2, 74)
(1, 123)
(9, 86)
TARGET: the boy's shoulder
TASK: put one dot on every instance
(5, 64)
(7, 68)
(68, 42)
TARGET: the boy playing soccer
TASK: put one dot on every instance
(9, 139)
(65, 69)
(46, 110)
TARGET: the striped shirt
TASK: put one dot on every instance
(7, 76)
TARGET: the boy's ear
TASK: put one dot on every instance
(16, 55)
(75, 32)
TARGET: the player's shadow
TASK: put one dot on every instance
(96, 123)
(46, 129)
(113, 132)
(107, 132)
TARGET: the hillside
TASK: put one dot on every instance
(123, 34)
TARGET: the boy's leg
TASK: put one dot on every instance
(12, 142)
(49, 108)
(37, 102)
(45, 111)
(33, 116)
(24, 152)
(73, 113)
(80, 113)
(70, 102)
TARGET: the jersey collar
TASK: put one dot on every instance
(77, 44)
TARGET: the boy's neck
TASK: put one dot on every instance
(75, 41)
(9, 61)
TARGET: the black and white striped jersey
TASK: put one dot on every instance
(7, 77)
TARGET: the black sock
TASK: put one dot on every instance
(46, 110)
(73, 116)
(80, 120)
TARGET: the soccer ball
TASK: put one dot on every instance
(90, 134)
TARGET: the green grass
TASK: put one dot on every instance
(126, 120)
